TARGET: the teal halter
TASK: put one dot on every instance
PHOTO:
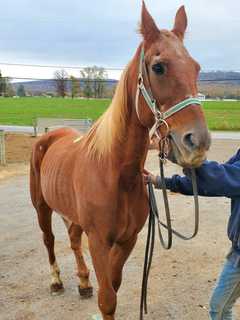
(160, 117)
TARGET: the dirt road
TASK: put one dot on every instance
(181, 279)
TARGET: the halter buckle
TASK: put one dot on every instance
(164, 149)
(158, 114)
(140, 81)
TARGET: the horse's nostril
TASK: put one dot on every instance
(188, 140)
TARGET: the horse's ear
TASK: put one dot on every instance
(180, 25)
(148, 28)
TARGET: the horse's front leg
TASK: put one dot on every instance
(118, 256)
(100, 252)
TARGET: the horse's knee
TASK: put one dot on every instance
(117, 282)
(107, 301)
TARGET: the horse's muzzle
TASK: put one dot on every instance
(189, 149)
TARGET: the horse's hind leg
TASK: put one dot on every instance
(45, 223)
(75, 235)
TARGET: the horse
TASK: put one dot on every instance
(94, 182)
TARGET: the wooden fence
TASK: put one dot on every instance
(2, 148)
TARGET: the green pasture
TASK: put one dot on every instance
(23, 111)
(221, 115)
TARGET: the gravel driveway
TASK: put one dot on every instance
(181, 279)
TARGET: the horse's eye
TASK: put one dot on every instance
(159, 68)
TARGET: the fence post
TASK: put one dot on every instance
(2, 148)
(34, 123)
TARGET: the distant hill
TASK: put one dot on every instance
(227, 77)
(211, 77)
(49, 86)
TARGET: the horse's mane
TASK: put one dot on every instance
(111, 126)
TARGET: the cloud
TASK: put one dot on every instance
(104, 32)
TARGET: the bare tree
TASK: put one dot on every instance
(100, 76)
(3, 85)
(75, 86)
(94, 81)
(87, 77)
(61, 78)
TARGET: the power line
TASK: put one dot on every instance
(67, 79)
(109, 80)
(76, 67)
(54, 66)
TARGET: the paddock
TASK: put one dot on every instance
(181, 279)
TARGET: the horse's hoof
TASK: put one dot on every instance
(85, 293)
(96, 317)
(56, 289)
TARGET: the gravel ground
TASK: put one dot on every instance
(181, 279)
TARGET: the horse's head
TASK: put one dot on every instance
(171, 75)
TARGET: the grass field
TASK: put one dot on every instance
(221, 115)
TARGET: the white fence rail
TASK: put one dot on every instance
(47, 124)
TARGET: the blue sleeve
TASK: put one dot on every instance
(213, 180)
(234, 158)
(179, 184)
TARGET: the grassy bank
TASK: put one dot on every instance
(221, 115)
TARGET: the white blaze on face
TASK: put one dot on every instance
(55, 273)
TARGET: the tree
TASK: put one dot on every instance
(21, 91)
(6, 89)
(3, 85)
(100, 76)
(75, 86)
(10, 92)
(86, 75)
(94, 79)
(61, 78)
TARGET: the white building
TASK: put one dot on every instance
(201, 96)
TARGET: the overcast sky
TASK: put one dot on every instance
(103, 32)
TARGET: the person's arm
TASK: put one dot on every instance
(213, 179)
(176, 184)
(234, 158)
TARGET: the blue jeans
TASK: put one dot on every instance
(226, 293)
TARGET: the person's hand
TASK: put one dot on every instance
(148, 177)
(187, 172)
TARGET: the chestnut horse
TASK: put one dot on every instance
(95, 182)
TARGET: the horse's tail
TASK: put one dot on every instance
(38, 152)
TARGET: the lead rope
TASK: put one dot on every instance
(153, 216)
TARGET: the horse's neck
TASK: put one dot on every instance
(133, 151)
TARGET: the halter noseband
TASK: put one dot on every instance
(160, 117)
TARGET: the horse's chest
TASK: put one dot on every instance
(131, 213)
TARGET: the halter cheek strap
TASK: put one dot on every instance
(160, 117)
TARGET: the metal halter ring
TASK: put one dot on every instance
(161, 122)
